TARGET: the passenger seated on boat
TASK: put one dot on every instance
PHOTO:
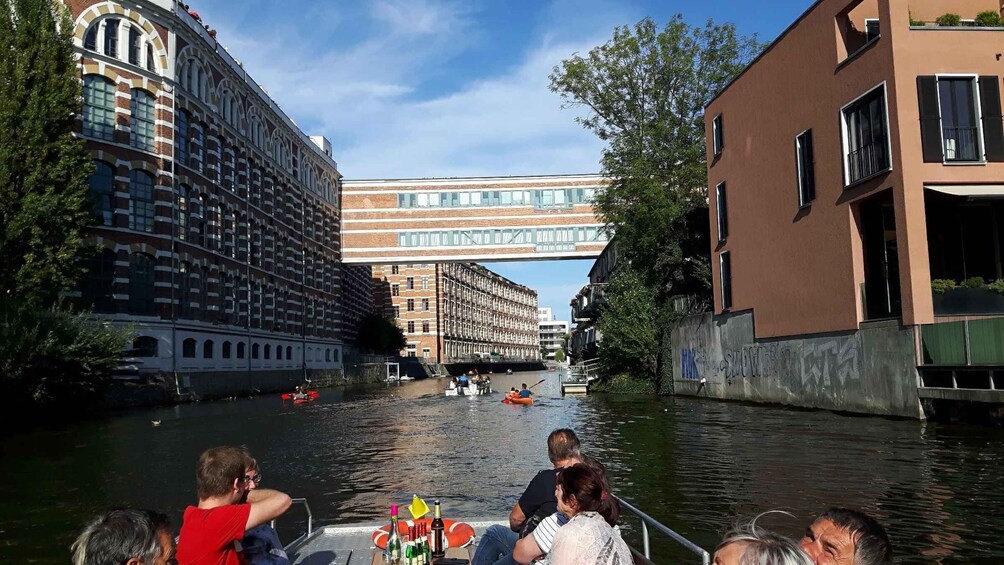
(525, 392)
(589, 537)
(842, 535)
(537, 545)
(462, 380)
(747, 544)
(536, 503)
(261, 545)
(228, 507)
(125, 536)
(299, 394)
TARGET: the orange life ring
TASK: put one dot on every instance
(458, 534)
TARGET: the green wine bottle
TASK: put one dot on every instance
(392, 555)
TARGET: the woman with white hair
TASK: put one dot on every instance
(748, 544)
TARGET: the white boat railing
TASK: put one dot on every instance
(310, 521)
(647, 521)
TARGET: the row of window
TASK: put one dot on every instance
(537, 198)
(189, 150)
(99, 113)
(105, 35)
(241, 302)
(517, 236)
(190, 348)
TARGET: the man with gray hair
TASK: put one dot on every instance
(841, 536)
(747, 544)
(125, 536)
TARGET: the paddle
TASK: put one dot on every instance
(537, 383)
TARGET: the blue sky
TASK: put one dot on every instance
(431, 88)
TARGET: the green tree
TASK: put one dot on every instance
(645, 91)
(630, 327)
(559, 355)
(44, 206)
(49, 358)
(380, 334)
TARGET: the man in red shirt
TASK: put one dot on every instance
(228, 507)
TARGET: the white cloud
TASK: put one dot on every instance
(369, 98)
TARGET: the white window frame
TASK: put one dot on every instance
(843, 134)
(717, 139)
(867, 20)
(975, 77)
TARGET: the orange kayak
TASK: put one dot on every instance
(517, 400)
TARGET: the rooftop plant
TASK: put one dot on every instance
(950, 20)
(989, 18)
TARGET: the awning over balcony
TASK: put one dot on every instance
(970, 190)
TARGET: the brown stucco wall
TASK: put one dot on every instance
(800, 271)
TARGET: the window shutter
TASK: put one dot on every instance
(993, 125)
(930, 119)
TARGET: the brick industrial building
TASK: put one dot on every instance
(452, 312)
(218, 218)
(856, 175)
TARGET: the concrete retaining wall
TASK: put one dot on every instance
(872, 370)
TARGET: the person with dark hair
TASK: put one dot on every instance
(525, 392)
(536, 503)
(589, 537)
(538, 544)
(748, 544)
(228, 507)
(842, 536)
(125, 536)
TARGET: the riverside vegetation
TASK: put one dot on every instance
(52, 360)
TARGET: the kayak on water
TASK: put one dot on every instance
(311, 395)
(513, 399)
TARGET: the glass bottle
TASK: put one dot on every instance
(392, 555)
(438, 537)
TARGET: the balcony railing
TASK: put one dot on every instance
(867, 160)
(962, 144)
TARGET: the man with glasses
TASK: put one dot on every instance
(261, 545)
(229, 506)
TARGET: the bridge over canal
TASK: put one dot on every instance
(474, 219)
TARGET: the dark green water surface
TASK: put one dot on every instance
(695, 465)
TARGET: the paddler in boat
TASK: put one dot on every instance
(298, 394)
(462, 381)
(525, 392)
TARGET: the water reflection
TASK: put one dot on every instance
(695, 465)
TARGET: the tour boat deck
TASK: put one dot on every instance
(353, 544)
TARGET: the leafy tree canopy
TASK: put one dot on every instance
(380, 335)
(44, 207)
(645, 91)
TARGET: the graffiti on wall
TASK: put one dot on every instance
(754, 361)
(835, 358)
(688, 364)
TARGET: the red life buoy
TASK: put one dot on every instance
(458, 534)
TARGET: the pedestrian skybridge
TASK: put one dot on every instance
(471, 219)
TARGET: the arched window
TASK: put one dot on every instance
(141, 284)
(181, 137)
(254, 351)
(226, 349)
(278, 352)
(91, 38)
(289, 353)
(134, 45)
(327, 355)
(111, 37)
(240, 349)
(145, 346)
(99, 107)
(151, 65)
(207, 349)
(141, 206)
(102, 192)
(98, 286)
(188, 348)
(268, 351)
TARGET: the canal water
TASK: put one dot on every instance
(695, 465)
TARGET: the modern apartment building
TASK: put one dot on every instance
(552, 332)
(218, 219)
(855, 175)
(453, 312)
